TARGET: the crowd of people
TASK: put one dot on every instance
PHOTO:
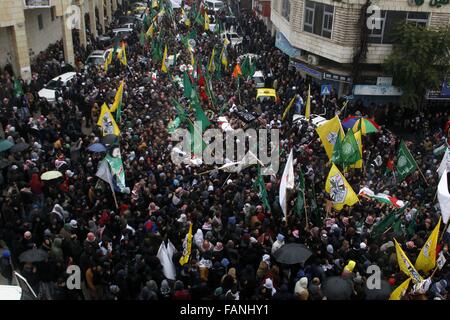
(75, 220)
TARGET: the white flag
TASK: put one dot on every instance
(443, 164)
(104, 173)
(165, 255)
(287, 182)
(444, 197)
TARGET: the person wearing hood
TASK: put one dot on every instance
(149, 291)
(301, 289)
(278, 243)
(180, 293)
(56, 251)
(264, 267)
(347, 273)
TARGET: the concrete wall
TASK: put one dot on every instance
(39, 40)
(6, 50)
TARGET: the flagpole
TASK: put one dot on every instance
(306, 212)
(115, 199)
(443, 232)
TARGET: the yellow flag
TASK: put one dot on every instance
(340, 191)
(192, 58)
(224, 58)
(328, 133)
(359, 163)
(123, 55)
(107, 123)
(206, 21)
(405, 265)
(117, 98)
(108, 60)
(308, 104)
(212, 65)
(286, 111)
(187, 251)
(265, 92)
(427, 256)
(398, 293)
(150, 30)
(164, 67)
(154, 4)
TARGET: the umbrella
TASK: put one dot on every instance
(20, 147)
(350, 121)
(5, 145)
(109, 139)
(51, 175)
(367, 126)
(33, 255)
(97, 147)
(336, 288)
(379, 294)
(292, 253)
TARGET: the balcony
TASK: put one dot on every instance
(31, 4)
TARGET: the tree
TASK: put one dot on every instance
(420, 60)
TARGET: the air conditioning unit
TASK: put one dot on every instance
(313, 60)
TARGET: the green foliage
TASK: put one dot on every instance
(419, 61)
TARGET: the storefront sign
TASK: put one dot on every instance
(384, 81)
(371, 90)
(307, 70)
(337, 77)
(443, 94)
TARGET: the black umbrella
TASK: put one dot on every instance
(292, 253)
(20, 147)
(33, 255)
(383, 293)
(110, 139)
(336, 288)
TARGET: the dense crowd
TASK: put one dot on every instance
(75, 220)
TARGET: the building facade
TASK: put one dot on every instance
(328, 33)
(28, 27)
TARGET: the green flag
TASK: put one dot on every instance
(119, 113)
(200, 114)
(18, 91)
(187, 85)
(175, 123)
(405, 162)
(350, 149)
(197, 143)
(411, 230)
(180, 110)
(117, 169)
(389, 220)
(245, 68)
(300, 202)
(261, 186)
(337, 157)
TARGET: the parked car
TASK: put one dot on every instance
(233, 38)
(128, 25)
(97, 57)
(214, 5)
(316, 120)
(22, 291)
(49, 90)
(122, 32)
(259, 79)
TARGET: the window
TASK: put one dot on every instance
(52, 12)
(390, 21)
(376, 35)
(40, 22)
(286, 9)
(318, 19)
(417, 18)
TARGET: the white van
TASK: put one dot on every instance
(22, 291)
(214, 5)
(49, 90)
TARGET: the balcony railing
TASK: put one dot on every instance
(38, 3)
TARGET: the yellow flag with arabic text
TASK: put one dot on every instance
(340, 190)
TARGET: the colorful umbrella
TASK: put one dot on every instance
(367, 126)
(51, 175)
(350, 121)
(5, 145)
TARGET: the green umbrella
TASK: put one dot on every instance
(5, 145)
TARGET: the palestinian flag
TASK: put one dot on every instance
(381, 197)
